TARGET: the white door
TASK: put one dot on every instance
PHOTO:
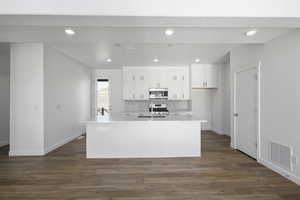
(246, 112)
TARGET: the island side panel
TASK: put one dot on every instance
(155, 139)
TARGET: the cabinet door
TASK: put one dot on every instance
(141, 90)
(212, 76)
(157, 77)
(129, 83)
(186, 84)
(175, 83)
(198, 76)
(204, 76)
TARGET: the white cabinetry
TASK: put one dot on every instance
(138, 80)
(129, 85)
(178, 81)
(135, 84)
(204, 76)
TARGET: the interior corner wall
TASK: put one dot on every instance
(27, 109)
(67, 91)
(4, 96)
(280, 97)
(221, 102)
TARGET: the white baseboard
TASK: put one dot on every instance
(280, 171)
(220, 132)
(61, 143)
(3, 143)
(26, 153)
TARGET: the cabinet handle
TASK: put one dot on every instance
(183, 96)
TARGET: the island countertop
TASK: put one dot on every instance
(134, 117)
(128, 136)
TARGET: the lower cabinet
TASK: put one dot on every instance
(138, 80)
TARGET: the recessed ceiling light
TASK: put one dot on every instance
(197, 60)
(251, 32)
(69, 31)
(169, 32)
(108, 60)
(155, 60)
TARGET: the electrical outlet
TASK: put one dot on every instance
(294, 159)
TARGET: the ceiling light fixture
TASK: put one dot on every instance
(169, 32)
(251, 32)
(69, 31)
(108, 60)
(197, 60)
(155, 60)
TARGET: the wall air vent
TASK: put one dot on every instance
(280, 155)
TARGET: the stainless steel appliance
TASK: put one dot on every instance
(158, 109)
(158, 93)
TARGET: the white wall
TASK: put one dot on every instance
(50, 96)
(115, 77)
(27, 124)
(221, 102)
(204, 8)
(67, 98)
(4, 96)
(280, 97)
(202, 106)
(213, 105)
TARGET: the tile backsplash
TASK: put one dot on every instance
(142, 106)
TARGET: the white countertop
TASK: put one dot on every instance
(133, 117)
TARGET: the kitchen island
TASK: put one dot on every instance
(143, 136)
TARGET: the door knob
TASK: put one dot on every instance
(236, 114)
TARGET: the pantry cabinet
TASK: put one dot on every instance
(205, 76)
(138, 80)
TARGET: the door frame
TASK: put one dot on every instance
(258, 128)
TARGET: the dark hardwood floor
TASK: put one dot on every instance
(221, 174)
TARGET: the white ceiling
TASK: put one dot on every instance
(140, 45)
(134, 21)
(201, 8)
(95, 55)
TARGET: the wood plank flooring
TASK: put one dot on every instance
(221, 174)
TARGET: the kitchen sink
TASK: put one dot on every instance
(151, 116)
(144, 116)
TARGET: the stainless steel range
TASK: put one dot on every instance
(158, 109)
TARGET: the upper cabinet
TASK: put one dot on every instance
(204, 76)
(138, 81)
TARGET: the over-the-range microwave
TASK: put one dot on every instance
(158, 93)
